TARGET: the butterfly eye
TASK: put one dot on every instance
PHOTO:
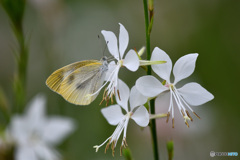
(104, 58)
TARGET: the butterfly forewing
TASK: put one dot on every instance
(55, 79)
(80, 84)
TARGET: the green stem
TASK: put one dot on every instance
(20, 81)
(149, 72)
(15, 10)
(147, 34)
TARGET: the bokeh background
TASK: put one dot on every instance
(61, 32)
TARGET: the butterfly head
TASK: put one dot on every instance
(104, 58)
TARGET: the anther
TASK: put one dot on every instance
(113, 151)
(112, 98)
(101, 102)
(182, 112)
(118, 95)
(125, 143)
(107, 99)
(106, 148)
(168, 114)
(112, 147)
(104, 97)
(173, 123)
(187, 124)
(196, 115)
(189, 115)
(121, 150)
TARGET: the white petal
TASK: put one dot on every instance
(46, 152)
(162, 102)
(195, 94)
(111, 41)
(113, 114)
(111, 66)
(24, 153)
(36, 109)
(57, 129)
(19, 129)
(149, 86)
(163, 70)
(123, 96)
(123, 40)
(184, 67)
(136, 98)
(131, 61)
(141, 116)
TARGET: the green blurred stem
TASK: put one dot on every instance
(149, 72)
(15, 10)
(20, 81)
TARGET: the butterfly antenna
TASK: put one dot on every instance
(103, 51)
(100, 44)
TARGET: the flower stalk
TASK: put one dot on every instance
(15, 10)
(148, 13)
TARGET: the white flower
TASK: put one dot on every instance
(117, 50)
(35, 134)
(114, 115)
(190, 94)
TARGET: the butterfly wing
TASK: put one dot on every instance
(79, 83)
(55, 79)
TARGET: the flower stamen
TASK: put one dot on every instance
(112, 147)
(118, 95)
(183, 113)
(168, 115)
(189, 115)
(188, 107)
(172, 122)
(196, 115)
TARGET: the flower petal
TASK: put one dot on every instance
(111, 66)
(123, 40)
(111, 41)
(162, 70)
(19, 129)
(122, 95)
(36, 110)
(141, 116)
(184, 67)
(113, 114)
(131, 61)
(149, 86)
(136, 98)
(24, 153)
(47, 152)
(162, 102)
(195, 94)
(57, 129)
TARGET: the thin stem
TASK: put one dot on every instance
(20, 80)
(149, 72)
(147, 34)
(15, 10)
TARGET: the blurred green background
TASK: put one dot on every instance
(61, 32)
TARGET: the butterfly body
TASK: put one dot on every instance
(77, 82)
